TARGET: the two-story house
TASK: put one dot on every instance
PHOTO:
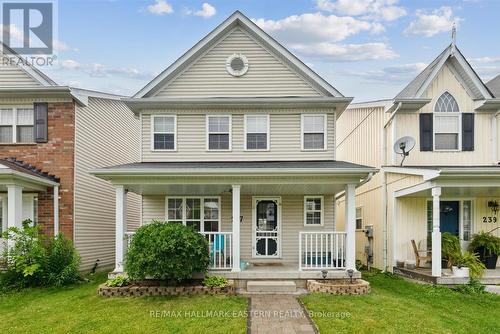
(238, 141)
(50, 137)
(450, 179)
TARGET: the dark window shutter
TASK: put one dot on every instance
(467, 132)
(41, 126)
(426, 132)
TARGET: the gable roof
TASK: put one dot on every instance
(461, 68)
(494, 86)
(31, 71)
(237, 19)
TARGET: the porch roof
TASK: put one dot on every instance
(15, 172)
(454, 181)
(280, 177)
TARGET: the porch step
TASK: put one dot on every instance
(271, 287)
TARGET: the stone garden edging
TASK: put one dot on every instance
(339, 287)
(140, 290)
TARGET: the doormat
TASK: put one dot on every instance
(270, 264)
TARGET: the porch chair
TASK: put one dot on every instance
(419, 257)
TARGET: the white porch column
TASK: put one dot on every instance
(121, 218)
(436, 233)
(236, 228)
(14, 207)
(56, 210)
(350, 225)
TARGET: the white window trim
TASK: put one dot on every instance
(268, 134)
(325, 127)
(202, 210)
(153, 117)
(361, 217)
(459, 133)
(461, 201)
(322, 198)
(14, 124)
(207, 146)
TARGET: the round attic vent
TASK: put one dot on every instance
(237, 65)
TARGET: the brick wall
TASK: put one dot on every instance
(55, 157)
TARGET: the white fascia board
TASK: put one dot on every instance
(427, 174)
(414, 189)
(477, 81)
(434, 72)
(27, 177)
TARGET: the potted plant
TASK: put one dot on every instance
(450, 247)
(467, 265)
(488, 247)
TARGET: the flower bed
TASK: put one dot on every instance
(339, 286)
(138, 290)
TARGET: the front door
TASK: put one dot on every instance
(449, 216)
(266, 227)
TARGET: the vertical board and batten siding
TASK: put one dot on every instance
(107, 134)
(407, 124)
(359, 132)
(369, 197)
(13, 76)
(292, 222)
(285, 141)
(267, 74)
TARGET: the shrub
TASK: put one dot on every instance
(474, 287)
(34, 260)
(215, 282)
(26, 259)
(62, 262)
(118, 281)
(166, 251)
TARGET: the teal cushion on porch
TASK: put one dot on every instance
(218, 244)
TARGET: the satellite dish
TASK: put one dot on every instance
(403, 146)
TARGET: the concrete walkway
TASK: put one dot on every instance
(278, 314)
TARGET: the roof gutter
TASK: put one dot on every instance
(137, 104)
(44, 91)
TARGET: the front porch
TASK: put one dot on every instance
(260, 223)
(455, 200)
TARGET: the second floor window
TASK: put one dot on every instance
(16, 125)
(164, 133)
(257, 132)
(219, 133)
(313, 132)
(446, 123)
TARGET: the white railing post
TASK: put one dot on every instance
(56, 210)
(350, 224)
(300, 251)
(120, 228)
(436, 233)
(236, 228)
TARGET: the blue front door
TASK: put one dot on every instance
(449, 216)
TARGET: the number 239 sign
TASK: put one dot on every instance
(490, 219)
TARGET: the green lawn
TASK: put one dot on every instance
(397, 306)
(78, 309)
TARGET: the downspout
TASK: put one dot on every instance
(494, 136)
(384, 184)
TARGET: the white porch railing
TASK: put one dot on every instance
(322, 250)
(220, 248)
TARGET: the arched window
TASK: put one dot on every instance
(446, 103)
(446, 123)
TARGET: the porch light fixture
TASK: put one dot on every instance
(324, 273)
(350, 273)
(493, 206)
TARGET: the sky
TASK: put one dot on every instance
(367, 49)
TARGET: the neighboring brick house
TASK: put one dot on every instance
(50, 137)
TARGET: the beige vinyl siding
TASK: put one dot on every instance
(285, 141)
(107, 133)
(292, 222)
(369, 196)
(407, 124)
(267, 74)
(359, 137)
(13, 76)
